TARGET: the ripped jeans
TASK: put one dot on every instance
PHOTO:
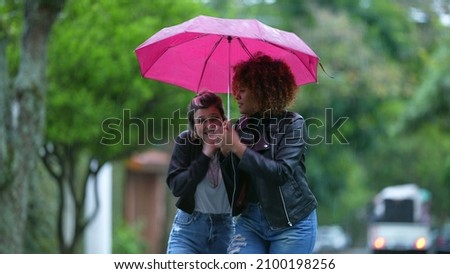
(254, 236)
(200, 233)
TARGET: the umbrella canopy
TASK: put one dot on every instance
(200, 53)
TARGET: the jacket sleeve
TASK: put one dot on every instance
(187, 168)
(288, 146)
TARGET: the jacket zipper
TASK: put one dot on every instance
(272, 150)
(234, 184)
(284, 207)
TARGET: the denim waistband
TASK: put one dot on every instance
(221, 216)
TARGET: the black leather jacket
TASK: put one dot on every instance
(187, 167)
(274, 166)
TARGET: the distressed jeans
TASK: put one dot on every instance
(200, 233)
(254, 236)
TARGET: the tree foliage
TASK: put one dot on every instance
(375, 58)
(22, 106)
(378, 116)
(109, 111)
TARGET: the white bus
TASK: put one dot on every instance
(400, 221)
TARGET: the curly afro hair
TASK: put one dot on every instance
(271, 81)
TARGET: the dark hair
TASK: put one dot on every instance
(271, 81)
(202, 100)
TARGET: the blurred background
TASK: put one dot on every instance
(85, 140)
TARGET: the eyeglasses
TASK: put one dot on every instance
(211, 120)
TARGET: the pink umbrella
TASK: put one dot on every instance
(199, 53)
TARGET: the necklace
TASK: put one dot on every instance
(214, 171)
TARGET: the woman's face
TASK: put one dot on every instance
(246, 100)
(208, 123)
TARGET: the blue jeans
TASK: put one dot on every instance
(254, 236)
(200, 233)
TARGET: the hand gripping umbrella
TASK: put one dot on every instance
(200, 53)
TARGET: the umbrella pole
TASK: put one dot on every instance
(229, 77)
(228, 103)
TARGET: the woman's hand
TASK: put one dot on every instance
(231, 141)
(212, 140)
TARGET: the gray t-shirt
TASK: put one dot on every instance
(211, 195)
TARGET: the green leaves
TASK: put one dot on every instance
(95, 74)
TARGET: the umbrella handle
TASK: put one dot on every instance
(229, 76)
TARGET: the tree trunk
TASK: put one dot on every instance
(23, 107)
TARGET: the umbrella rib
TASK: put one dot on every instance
(201, 35)
(206, 61)
(291, 51)
(244, 47)
(278, 46)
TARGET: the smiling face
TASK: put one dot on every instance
(205, 112)
(208, 123)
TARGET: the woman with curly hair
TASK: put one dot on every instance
(265, 163)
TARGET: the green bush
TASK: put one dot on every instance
(127, 239)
